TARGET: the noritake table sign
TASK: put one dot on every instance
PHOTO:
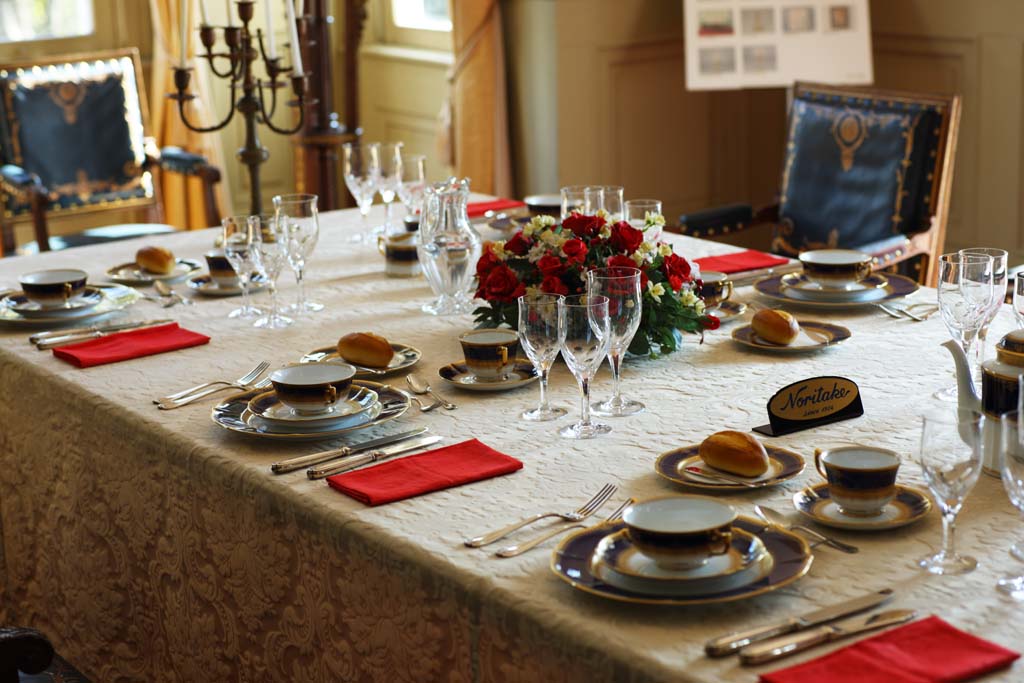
(999, 389)
(812, 403)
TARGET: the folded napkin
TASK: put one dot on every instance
(751, 259)
(925, 651)
(131, 344)
(477, 209)
(434, 470)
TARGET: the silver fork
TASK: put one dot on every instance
(171, 405)
(520, 548)
(239, 383)
(584, 511)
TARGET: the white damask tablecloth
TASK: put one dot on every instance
(154, 546)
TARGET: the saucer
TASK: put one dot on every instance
(789, 554)
(405, 357)
(458, 375)
(867, 290)
(907, 507)
(782, 465)
(506, 223)
(833, 334)
(727, 310)
(896, 287)
(205, 285)
(75, 307)
(132, 274)
(269, 408)
(115, 298)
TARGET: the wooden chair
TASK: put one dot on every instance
(863, 168)
(73, 140)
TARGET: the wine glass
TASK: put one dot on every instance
(621, 285)
(273, 255)
(999, 265)
(642, 214)
(584, 329)
(540, 335)
(1018, 298)
(413, 181)
(361, 167)
(1011, 469)
(950, 457)
(607, 198)
(298, 222)
(964, 296)
(241, 238)
(573, 200)
(390, 179)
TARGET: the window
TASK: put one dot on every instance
(25, 20)
(427, 15)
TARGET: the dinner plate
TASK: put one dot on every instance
(74, 308)
(506, 223)
(825, 335)
(727, 311)
(458, 375)
(897, 287)
(782, 466)
(907, 507)
(205, 285)
(405, 357)
(867, 290)
(235, 416)
(791, 557)
(115, 299)
(132, 274)
(345, 413)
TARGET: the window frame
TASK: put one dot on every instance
(429, 39)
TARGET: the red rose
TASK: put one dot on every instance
(620, 261)
(502, 285)
(553, 284)
(487, 261)
(625, 237)
(676, 266)
(675, 282)
(711, 322)
(549, 264)
(583, 226)
(575, 251)
(518, 245)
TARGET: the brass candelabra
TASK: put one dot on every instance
(237, 65)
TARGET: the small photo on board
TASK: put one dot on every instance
(759, 59)
(717, 60)
(839, 17)
(757, 20)
(797, 19)
(715, 22)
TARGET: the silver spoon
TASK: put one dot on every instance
(776, 518)
(418, 386)
(165, 290)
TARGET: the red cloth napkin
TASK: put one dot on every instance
(476, 209)
(751, 259)
(131, 344)
(434, 470)
(925, 651)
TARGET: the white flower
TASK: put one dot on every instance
(652, 219)
(656, 291)
(533, 291)
(688, 298)
(601, 213)
(536, 252)
(552, 238)
(537, 223)
(606, 231)
(664, 249)
(638, 258)
(498, 249)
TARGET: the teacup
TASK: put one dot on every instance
(400, 256)
(680, 532)
(490, 354)
(53, 288)
(312, 388)
(716, 288)
(835, 268)
(221, 270)
(861, 479)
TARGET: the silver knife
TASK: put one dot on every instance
(355, 461)
(76, 338)
(729, 643)
(66, 332)
(298, 463)
(776, 648)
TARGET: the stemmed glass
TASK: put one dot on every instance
(390, 179)
(361, 167)
(999, 264)
(413, 181)
(585, 332)
(298, 223)
(1011, 467)
(573, 200)
(621, 285)
(273, 254)
(642, 214)
(540, 335)
(964, 295)
(241, 239)
(950, 457)
(1018, 298)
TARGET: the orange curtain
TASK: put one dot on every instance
(479, 97)
(184, 205)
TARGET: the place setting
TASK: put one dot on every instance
(62, 296)
(371, 354)
(491, 363)
(221, 280)
(153, 264)
(716, 290)
(778, 331)
(729, 461)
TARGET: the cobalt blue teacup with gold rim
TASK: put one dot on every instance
(491, 353)
(861, 479)
(312, 388)
(53, 288)
(680, 532)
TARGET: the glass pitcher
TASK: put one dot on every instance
(448, 247)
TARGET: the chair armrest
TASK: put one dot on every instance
(18, 179)
(178, 160)
(722, 220)
(23, 649)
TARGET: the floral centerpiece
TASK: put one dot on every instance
(551, 258)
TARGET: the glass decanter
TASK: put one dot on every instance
(449, 247)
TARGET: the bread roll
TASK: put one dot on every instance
(735, 452)
(366, 349)
(775, 326)
(155, 260)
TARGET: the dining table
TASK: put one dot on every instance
(154, 545)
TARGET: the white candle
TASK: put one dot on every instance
(293, 28)
(231, 18)
(271, 48)
(184, 33)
